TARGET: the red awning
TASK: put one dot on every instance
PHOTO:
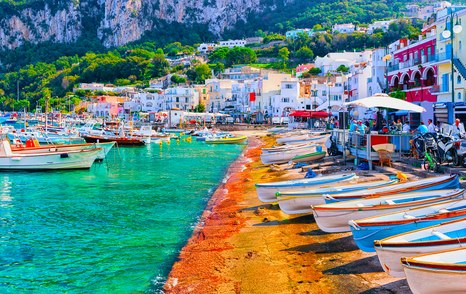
(311, 114)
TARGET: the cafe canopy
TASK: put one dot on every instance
(384, 101)
(309, 114)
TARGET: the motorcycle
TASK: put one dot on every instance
(447, 149)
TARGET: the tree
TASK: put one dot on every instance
(200, 108)
(342, 68)
(176, 79)
(199, 73)
(159, 66)
(315, 71)
(283, 55)
(304, 54)
(240, 55)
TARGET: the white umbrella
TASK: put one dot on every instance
(385, 101)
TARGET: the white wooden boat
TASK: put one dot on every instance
(288, 147)
(266, 191)
(442, 182)
(296, 202)
(445, 236)
(299, 138)
(438, 272)
(77, 159)
(334, 217)
(285, 156)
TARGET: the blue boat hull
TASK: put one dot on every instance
(364, 237)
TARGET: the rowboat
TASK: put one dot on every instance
(74, 159)
(287, 147)
(299, 138)
(296, 202)
(436, 183)
(266, 191)
(309, 157)
(334, 217)
(438, 272)
(445, 236)
(367, 230)
(227, 140)
(285, 155)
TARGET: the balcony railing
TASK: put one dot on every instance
(420, 61)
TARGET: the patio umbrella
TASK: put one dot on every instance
(385, 101)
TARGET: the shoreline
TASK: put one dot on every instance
(242, 245)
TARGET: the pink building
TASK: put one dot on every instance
(413, 70)
(107, 106)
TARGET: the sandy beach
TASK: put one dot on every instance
(242, 245)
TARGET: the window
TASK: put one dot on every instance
(288, 86)
(324, 93)
(458, 79)
(459, 96)
(177, 99)
(460, 46)
(285, 99)
(445, 78)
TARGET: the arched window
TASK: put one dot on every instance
(459, 96)
(458, 79)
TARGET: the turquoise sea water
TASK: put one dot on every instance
(116, 228)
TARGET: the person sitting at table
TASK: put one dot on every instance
(399, 125)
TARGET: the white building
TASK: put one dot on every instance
(219, 92)
(382, 24)
(331, 61)
(346, 28)
(206, 47)
(232, 43)
(378, 81)
(151, 102)
(181, 97)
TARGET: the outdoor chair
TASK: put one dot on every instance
(385, 152)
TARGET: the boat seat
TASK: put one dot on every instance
(360, 205)
(443, 210)
(440, 235)
(407, 216)
(391, 202)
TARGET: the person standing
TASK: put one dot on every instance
(431, 127)
(406, 127)
(422, 128)
(458, 128)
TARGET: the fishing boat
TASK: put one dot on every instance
(296, 202)
(309, 157)
(440, 237)
(367, 230)
(299, 138)
(287, 147)
(75, 159)
(438, 272)
(120, 141)
(435, 183)
(266, 191)
(334, 217)
(226, 140)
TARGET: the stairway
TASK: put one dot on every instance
(460, 66)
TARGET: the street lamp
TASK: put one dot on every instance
(450, 33)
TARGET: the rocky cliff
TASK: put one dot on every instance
(116, 22)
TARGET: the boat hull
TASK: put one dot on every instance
(119, 141)
(62, 160)
(309, 157)
(425, 281)
(266, 192)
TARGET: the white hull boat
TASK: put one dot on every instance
(285, 156)
(439, 272)
(75, 159)
(441, 237)
(334, 217)
(301, 201)
(266, 191)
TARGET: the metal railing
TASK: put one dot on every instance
(360, 145)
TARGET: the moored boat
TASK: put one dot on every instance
(440, 237)
(74, 159)
(266, 191)
(367, 230)
(334, 217)
(121, 141)
(227, 140)
(285, 155)
(438, 272)
(435, 183)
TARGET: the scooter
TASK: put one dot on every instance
(447, 149)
